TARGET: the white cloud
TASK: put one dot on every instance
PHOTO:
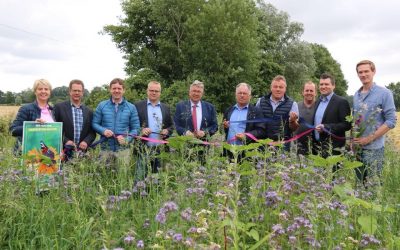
(352, 31)
(57, 40)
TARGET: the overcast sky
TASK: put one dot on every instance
(58, 39)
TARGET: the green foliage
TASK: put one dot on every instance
(395, 88)
(326, 64)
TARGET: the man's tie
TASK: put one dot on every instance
(194, 118)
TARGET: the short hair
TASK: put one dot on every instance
(308, 82)
(43, 82)
(328, 76)
(244, 84)
(76, 81)
(279, 78)
(117, 81)
(198, 84)
(153, 82)
(363, 62)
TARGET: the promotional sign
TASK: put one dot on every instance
(41, 150)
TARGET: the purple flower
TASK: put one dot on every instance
(187, 214)
(161, 217)
(272, 198)
(128, 240)
(140, 244)
(277, 230)
(177, 237)
(367, 240)
(170, 206)
(189, 242)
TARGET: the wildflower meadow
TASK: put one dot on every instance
(269, 200)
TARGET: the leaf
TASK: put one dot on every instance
(254, 234)
(334, 159)
(351, 164)
(344, 191)
(368, 223)
(262, 241)
(318, 161)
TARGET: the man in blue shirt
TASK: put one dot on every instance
(156, 123)
(375, 115)
(242, 111)
(330, 119)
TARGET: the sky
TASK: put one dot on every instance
(60, 41)
(352, 30)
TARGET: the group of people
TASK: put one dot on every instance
(275, 116)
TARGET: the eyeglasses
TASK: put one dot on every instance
(154, 91)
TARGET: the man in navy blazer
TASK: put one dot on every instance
(330, 115)
(196, 117)
(76, 118)
(156, 123)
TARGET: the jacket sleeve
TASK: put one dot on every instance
(17, 125)
(342, 125)
(179, 119)
(97, 118)
(258, 129)
(211, 124)
(168, 122)
(134, 123)
(91, 135)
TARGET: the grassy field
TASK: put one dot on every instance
(271, 200)
(394, 134)
(8, 111)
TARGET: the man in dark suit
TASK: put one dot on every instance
(156, 123)
(330, 115)
(76, 118)
(196, 117)
(242, 111)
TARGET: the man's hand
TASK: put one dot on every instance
(200, 133)
(293, 117)
(225, 123)
(189, 133)
(146, 131)
(240, 136)
(121, 140)
(108, 133)
(164, 133)
(364, 140)
(319, 128)
(83, 145)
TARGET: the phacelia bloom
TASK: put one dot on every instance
(170, 206)
(368, 240)
(187, 214)
(177, 237)
(292, 239)
(192, 230)
(128, 240)
(189, 242)
(277, 230)
(161, 217)
(272, 198)
(140, 244)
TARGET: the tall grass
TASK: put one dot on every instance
(270, 200)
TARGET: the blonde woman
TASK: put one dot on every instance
(39, 110)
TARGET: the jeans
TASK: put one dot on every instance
(372, 160)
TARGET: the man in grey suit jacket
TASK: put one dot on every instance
(156, 123)
(76, 119)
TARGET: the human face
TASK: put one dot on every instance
(154, 92)
(365, 74)
(76, 93)
(278, 89)
(195, 94)
(42, 93)
(309, 92)
(326, 87)
(242, 96)
(117, 92)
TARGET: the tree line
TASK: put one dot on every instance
(220, 42)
